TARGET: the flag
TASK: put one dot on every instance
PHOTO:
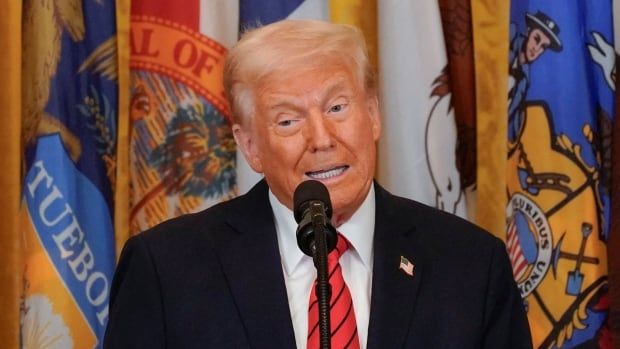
(406, 266)
(362, 14)
(181, 152)
(417, 152)
(456, 22)
(560, 119)
(122, 188)
(255, 13)
(69, 111)
(10, 99)
(614, 235)
(490, 30)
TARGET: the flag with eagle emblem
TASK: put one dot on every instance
(69, 106)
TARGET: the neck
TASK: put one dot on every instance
(340, 219)
(344, 214)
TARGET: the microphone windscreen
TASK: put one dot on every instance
(308, 191)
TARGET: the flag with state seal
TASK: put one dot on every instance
(181, 151)
(69, 105)
(418, 152)
(560, 117)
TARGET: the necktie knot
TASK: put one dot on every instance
(341, 247)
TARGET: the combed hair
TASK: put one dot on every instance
(290, 46)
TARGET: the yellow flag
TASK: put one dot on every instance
(121, 191)
(10, 99)
(362, 14)
(490, 31)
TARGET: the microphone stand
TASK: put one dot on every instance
(323, 288)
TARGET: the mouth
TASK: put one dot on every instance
(329, 173)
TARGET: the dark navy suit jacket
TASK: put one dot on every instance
(214, 280)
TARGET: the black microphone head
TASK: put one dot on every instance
(308, 191)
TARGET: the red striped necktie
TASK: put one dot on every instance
(343, 325)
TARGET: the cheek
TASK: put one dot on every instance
(364, 149)
(284, 154)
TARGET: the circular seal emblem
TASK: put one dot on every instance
(529, 242)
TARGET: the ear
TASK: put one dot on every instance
(247, 145)
(375, 116)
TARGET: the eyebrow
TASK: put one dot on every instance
(283, 100)
(286, 101)
(336, 85)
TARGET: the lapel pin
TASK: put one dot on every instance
(406, 266)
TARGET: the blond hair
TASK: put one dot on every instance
(289, 46)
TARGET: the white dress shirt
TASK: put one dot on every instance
(300, 273)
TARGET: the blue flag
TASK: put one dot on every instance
(252, 13)
(560, 117)
(70, 117)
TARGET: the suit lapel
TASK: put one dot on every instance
(252, 266)
(393, 291)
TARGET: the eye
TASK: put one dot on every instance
(285, 123)
(537, 38)
(285, 118)
(337, 108)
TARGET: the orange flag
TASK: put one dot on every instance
(181, 151)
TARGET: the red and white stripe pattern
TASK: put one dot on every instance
(517, 259)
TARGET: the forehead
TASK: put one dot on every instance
(314, 81)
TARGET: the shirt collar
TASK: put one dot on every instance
(359, 230)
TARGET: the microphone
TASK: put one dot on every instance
(316, 237)
(313, 212)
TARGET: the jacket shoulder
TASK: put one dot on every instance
(444, 233)
(205, 230)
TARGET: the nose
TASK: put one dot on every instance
(319, 132)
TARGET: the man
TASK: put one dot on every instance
(305, 107)
(542, 34)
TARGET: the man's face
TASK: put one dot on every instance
(537, 43)
(316, 124)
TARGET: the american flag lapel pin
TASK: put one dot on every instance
(406, 266)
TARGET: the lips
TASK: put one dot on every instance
(327, 173)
